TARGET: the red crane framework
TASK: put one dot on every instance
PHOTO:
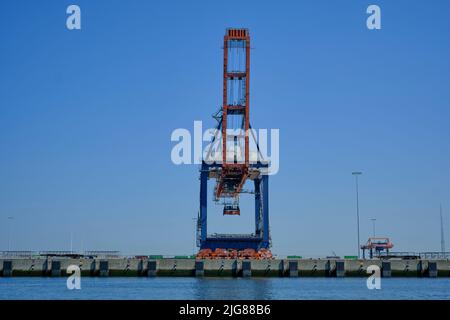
(235, 167)
(378, 244)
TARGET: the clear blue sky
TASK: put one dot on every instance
(86, 118)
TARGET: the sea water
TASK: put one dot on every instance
(224, 288)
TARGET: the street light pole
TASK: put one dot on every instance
(356, 174)
(442, 231)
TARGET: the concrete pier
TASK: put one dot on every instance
(109, 267)
(293, 269)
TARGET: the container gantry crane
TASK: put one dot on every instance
(234, 167)
(378, 244)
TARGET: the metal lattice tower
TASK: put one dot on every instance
(235, 112)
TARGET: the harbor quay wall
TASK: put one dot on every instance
(172, 267)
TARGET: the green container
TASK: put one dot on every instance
(182, 257)
(294, 257)
(155, 257)
(351, 257)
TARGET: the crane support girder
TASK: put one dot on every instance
(261, 237)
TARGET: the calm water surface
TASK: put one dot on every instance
(222, 288)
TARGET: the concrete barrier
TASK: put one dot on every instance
(358, 268)
(87, 266)
(151, 268)
(340, 269)
(103, 268)
(57, 266)
(422, 268)
(142, 268)
(28, 267)
(124, 267)
(266, 268)
(293, 269)
(199, 268)
(246, 268)
(405, 268)
(222, 268)
(432, 271)
(7, 268)
(443, 268)
(176, 267)
(386, 269)
(313, 268)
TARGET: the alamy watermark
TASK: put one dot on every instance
(74, 280)
(73, 21)
(207, 146)
(373, 22)
(374, 280)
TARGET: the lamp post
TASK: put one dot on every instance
(442, 232)
(356, 174)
